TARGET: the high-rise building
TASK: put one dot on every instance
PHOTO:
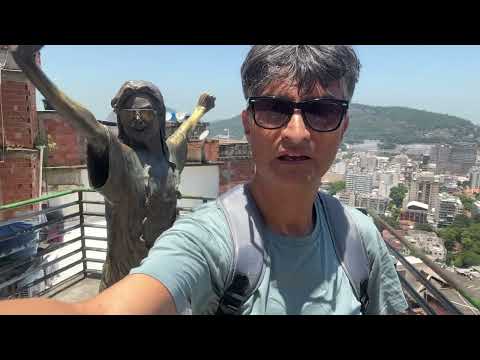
(371, 163)
(474, 177)
(425, 188)
(449, 207)
(440, 155)
(462, 157)
(372, 201)
(359, 183)
(339, 167)
(382, 162)
(346, 197)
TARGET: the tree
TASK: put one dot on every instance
(423, 227)
(336, 186)
(467, 202)
(461, 221)
(397, 194)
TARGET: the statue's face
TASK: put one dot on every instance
(139, 119)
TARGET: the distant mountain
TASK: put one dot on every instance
(391, 125)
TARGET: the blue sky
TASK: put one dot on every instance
(441, 79)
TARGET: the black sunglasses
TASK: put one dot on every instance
(322, 114)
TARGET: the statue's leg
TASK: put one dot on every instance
(105, 275)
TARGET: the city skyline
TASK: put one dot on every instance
(439, 79)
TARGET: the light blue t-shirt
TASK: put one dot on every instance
(303, 275)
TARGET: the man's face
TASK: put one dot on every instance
(140, 122)
(294, 155)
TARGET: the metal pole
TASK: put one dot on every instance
(82, 232)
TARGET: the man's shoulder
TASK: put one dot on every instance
(366, 228)
(205, 212)
(363, 222)
(207, 219)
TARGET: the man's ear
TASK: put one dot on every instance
(247, 124)
(345, 124)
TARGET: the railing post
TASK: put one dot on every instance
(82, 231)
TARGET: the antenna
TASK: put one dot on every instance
(203, 135)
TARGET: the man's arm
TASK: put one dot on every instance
(136, 294)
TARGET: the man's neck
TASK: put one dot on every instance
(286, 210)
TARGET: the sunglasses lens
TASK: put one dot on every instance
(271, 113)
(323, 116)
(146, 115)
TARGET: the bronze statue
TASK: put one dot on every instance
(137, 172)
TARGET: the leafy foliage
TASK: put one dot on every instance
(397, 194)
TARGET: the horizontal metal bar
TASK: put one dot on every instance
(94, 226)
(39, 254)
(37, 268)
(32, 269)
(189, 197)
(55, 247)
(95, 238)
(37, 213)
(91, 213)
(94, 272)
(418, 298)
(55, 273)
(63, 257)
(64, 231)
(37, 241)
(50, 291)
(95, 260)
(38, 227)
(93, 202)
(89, 248)
(38, 199)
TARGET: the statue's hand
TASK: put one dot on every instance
(24, 52)
(207, 101)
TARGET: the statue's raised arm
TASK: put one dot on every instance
(177, 142)
(79, 117)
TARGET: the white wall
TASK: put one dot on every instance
(199, 181)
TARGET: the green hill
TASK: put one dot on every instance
(391, 125)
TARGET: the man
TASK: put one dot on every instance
(295, 119)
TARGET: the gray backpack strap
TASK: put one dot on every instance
(248, 268)
(349, 246)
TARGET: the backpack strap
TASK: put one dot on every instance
(248, 268)
(349, 246)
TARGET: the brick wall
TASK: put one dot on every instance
(70, 147)
(18, 179)
(19, 164)
(235, 172)
(194, 151)
(20, 124)
(211, 149)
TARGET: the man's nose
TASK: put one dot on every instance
(296, 130)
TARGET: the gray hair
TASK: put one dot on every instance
(303, 65)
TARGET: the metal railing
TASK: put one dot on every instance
(79, 254)
(431, 290)
(81, 251)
